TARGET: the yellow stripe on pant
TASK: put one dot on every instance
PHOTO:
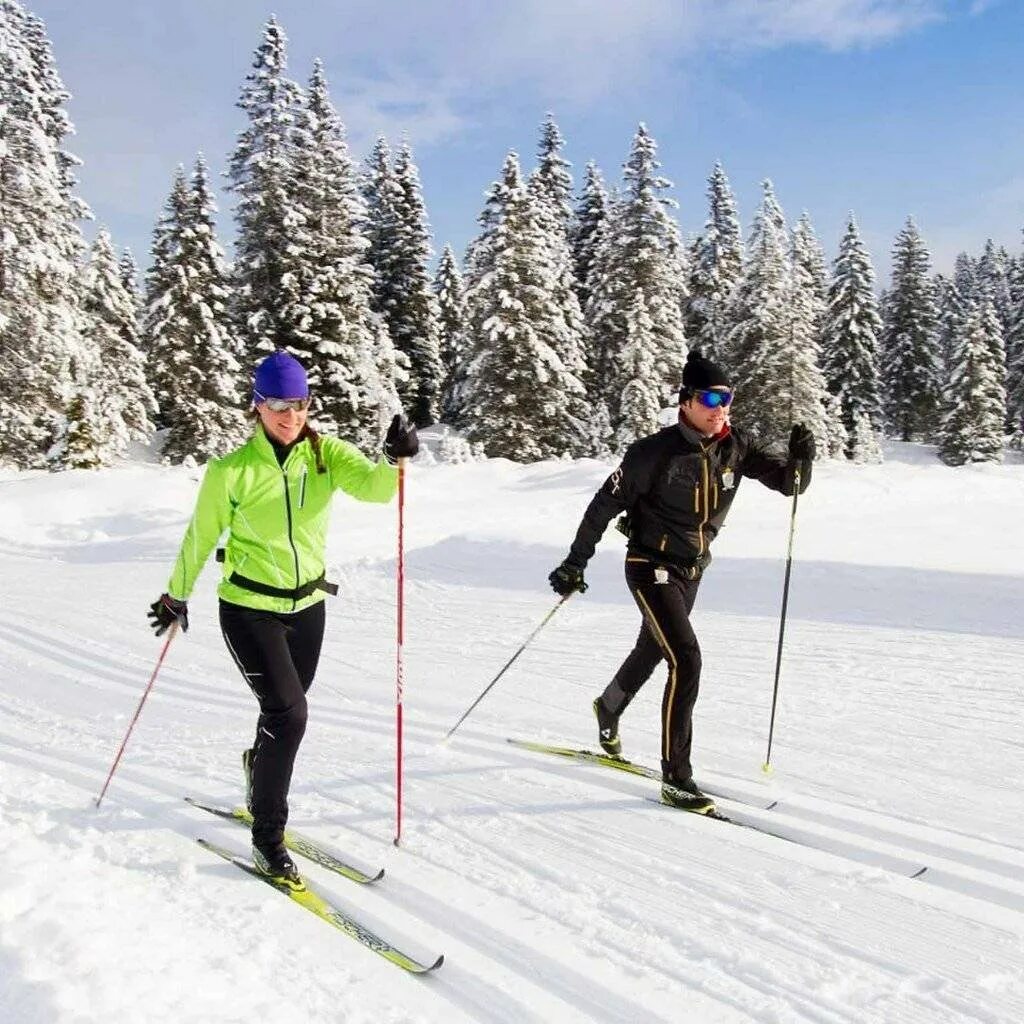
(672, 671)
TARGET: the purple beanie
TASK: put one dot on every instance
(280, 375)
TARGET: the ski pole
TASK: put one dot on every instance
(171, 633)
(400, 609)
(767, 766)
(505, 667)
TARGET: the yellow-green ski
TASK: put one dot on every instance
(301, 893)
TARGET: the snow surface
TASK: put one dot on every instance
(556, 890)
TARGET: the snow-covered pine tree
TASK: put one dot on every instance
(716, 263)
(192, 355)
(517, 388)
(412, 315)
(760, 324)
(994, 280)
(864, 445)
(270, 231)
(1015, 357)
(973, 429)
(591, 212)
(850, 337)
(40, 243)
(128, 270)
(639, 248)
(838, 440)
(910, 362)
(115, 374)
(965, 277)
(801, 348)
(550, 187)
(336, 333)
(641, 397)
(952, 315)
(451, 304)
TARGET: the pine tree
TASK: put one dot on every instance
(641, 398)
(852, 327)
(553, 179)
(451, 303)
(864, 446)
(965, 277)
(270, 231)
(40, 243)
(517, 387)
(716, 266)
(760, 324)
(192, 356)
(413, 317)
(639, 248)
(909, 341)
(591, 212)
(1015, 358)
(128, 270)
(336, 334)
(973, 429)
(952, 315)
(994, 280)
(802, 376)
(118, 387)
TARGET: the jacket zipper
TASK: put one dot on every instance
(302, 487)
(291, 541)
(707, 513)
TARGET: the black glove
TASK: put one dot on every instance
(165, 610)
(567, 579)
(801, 444)
(401, 441)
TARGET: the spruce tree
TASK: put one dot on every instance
(1015, 359)
(270, 231)
(451, 304)
(517, 388)
(553, 179)
(760, 322)
(591, 212)
(993, 274)
(802, 376)
(40, 243)
(910, 363)
(850, 337)
(336, 334)
(952, 315)
(639, 249)
(973, 429)
(716, 265)
(193, 358)
(118, 368)
(641, 397)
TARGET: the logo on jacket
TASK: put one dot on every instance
(615, 479)
(728, 479)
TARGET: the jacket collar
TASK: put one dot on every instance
(265, 448)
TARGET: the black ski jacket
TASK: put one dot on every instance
(676, 489)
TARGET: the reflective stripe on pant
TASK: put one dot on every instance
(277, 655)
(665, 634)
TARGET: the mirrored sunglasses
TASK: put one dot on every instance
(283, 404)
(714, 399)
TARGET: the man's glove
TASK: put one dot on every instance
(567, 579)
(801, 444)
(166, 610)
(401, 441)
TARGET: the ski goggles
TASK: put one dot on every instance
(282, 404)
(714, 399)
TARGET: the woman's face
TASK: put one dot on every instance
(284, 427)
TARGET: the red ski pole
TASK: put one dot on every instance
(138, 711)
(398, 650)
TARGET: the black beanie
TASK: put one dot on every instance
(701, 374)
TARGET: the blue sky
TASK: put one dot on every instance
(883, 107)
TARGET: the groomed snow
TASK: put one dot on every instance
(558, 892)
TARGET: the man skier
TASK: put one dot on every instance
(676, 487)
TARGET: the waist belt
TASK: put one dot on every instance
(293, 594)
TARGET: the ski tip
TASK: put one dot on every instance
(437, 963)
(377, 877)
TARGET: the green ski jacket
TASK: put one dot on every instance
(276, 517)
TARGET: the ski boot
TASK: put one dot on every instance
(274, 859)
(607, 730)
(247, 772)
(686, 796)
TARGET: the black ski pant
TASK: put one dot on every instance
(665, 635)
(277, 655)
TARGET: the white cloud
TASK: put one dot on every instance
(422, 66)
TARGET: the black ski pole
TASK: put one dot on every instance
(487, 689)
(767, 766)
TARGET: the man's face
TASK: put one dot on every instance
(704, 420)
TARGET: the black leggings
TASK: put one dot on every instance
(665, 635)
(277, 655)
